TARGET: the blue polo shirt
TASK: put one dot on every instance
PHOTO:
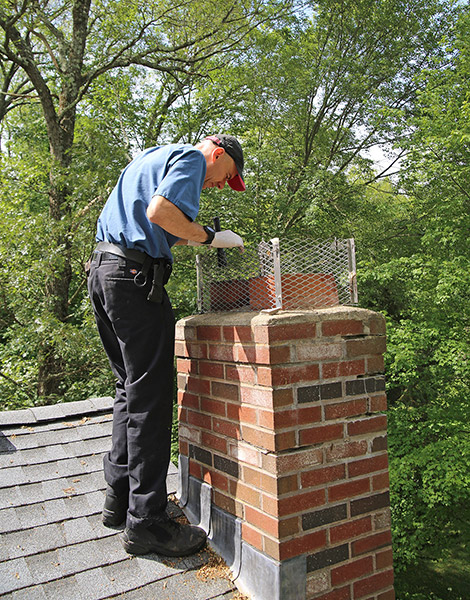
(175, 172)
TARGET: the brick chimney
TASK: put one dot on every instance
(283, 449)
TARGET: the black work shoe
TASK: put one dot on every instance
(167, 537)
(115, 508)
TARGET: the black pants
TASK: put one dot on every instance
(138, 337)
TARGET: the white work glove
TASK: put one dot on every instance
(226, 239)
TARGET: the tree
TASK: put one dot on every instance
(423, 285)
(311, 98)
(60, 51)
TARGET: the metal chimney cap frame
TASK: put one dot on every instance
(280, 274)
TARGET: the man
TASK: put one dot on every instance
(152, 208)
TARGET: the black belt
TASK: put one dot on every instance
(129, 253)
(161, 267)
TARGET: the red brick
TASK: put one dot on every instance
(381, 482)
(264, 376)
(246, 354)
(323, 475)
(384, 559)
(379, 443)
(187, 400)
(372, 542)
(243, 373)
(233, 411)
(227, 391)
(320, 434)
(199, 386)
(228, 504)
(252, 536)
(367, 465)
(266, 418)
(282, 397)
(277, 333)
(293, 417)
(211, 369)
(288, 527)
(269, 505)
(352, 570)
(203, 421)
(285, 440)
(338, 594)
(365, 346)
(214, 441)
(214, 407)
(209, 332)
(195, 469)
(342, 327)
(294, 374)
(287, 484)
(301, 502)
(346, 409)
(273, 355)
(256, 395)
(195, 350)
(348, 489)
(258, 437)
(247, 414)
(375, 365)
(239, 333)
(389, 595)
(343, 368)
(372, 584)
(219, 352)
(350, 530)
(252, 476)
(368, 425)
(262, 521)
(186, 365)
(297, 461)
(308, 415)
(183, 447)
(227, 428)
(378, 403)
(308, 352)
(246, 494)
(346, 450)
(302, 545)
(181, 349)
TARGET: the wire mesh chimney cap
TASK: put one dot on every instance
(288, 274)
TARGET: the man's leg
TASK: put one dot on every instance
(145, 334)
(138, 336)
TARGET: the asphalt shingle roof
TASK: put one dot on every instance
(53, 543)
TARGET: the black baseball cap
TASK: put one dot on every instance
(232, 147)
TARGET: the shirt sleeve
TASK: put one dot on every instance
(183, 181)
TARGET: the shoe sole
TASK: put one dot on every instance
(138, 549)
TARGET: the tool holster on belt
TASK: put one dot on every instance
(161, 275)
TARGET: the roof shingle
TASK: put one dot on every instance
(54, 545)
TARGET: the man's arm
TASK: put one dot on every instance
(169, 217)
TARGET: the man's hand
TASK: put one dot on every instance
(222, 239)
(226, 239)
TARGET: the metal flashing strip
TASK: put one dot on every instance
(183, 480)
